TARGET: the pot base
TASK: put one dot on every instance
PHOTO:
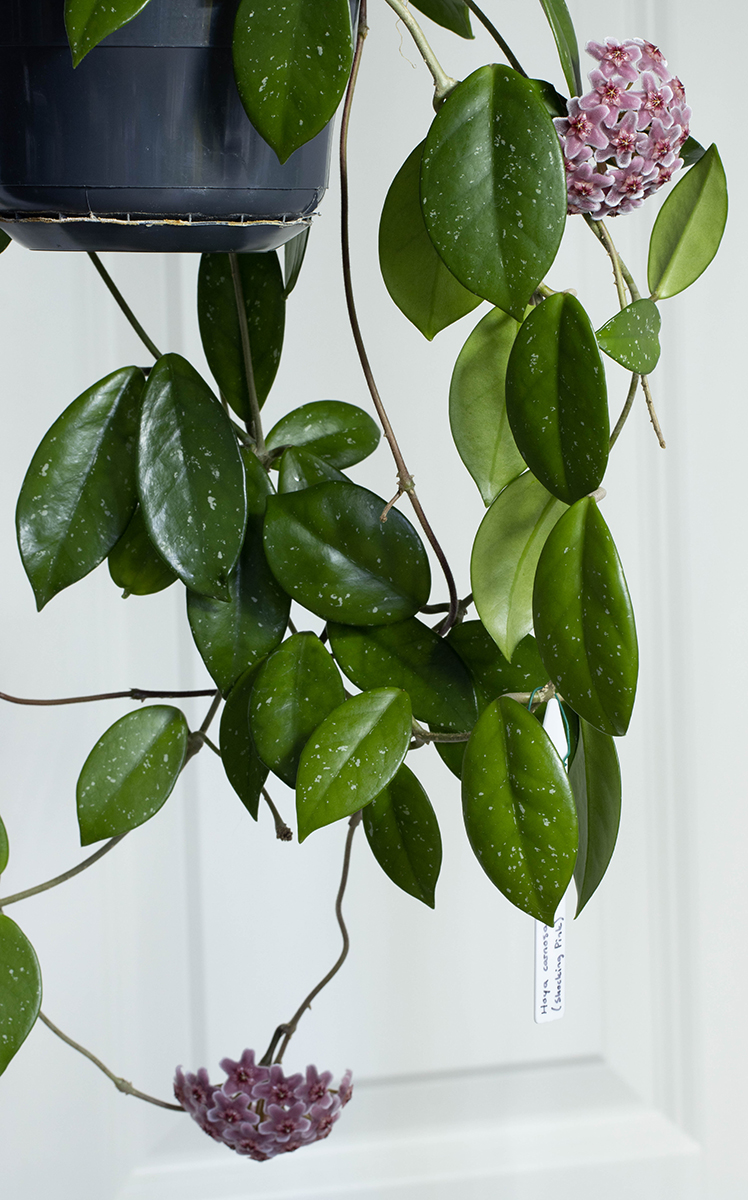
(149, 234)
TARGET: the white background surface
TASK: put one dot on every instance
(200, 933)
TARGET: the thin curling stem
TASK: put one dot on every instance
(510, 56)
(125, 307)
(50, 883)
(626, 410)
(443, 83)
(405, 480)
(130, 694)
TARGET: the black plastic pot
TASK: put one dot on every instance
(145, 145)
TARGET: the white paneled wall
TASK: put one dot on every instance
(201, 932)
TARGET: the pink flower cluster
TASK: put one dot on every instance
(259, 1111)
(622, 139)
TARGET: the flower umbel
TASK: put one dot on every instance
(259, 1111)
(621, 140)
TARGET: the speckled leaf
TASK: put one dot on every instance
(294, 253)
(403, 832)
(135, 564)
(413, 657)
(351, 757)
(584, 622)
(79, 492)
(265, 305)
(418, 281)
(595, 778)
(20, 989)
(477, 406)
(4, 847)
(493, 188)
(131, 771)
(452, 14)
(328, 549)
(491, 672)
(632, 337)
(505, 554)
(241, 762)
(341, 434)
(561, 23)
(556, 398)
(190, 477)
(89, 21)
(689, 228)
(232, 635)
(291, 64)
(519, 809)
(300, 469)
(295, 690)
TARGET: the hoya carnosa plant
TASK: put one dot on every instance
(175, 483)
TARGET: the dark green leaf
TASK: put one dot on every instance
(491, 672)
(519, 810)
(89, 21)
(424, 290)
(4, 240)
(341, 434)
(131, 771)
(233, 635)
(79, 492)
(265, 305)
(556, 398)
(632, 337)
(299, 469)
(351, 757)
(477, 406)
(595, 778)
(295, 690)
(493, 187)
(329, 549)
(241, 762)
(556, 104)
(294, 253)
(691, 151)
(403, 832)
(505, 554)
(410, 656)
(689, 228)
(584, 622)
(190, 477)
(291, 65)
(452, 14)
(4, 847)
(561, 23)
(135, 564)
(20, 989)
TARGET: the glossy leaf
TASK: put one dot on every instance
(79, 492)
(295, 690)
(265, 306)
(418, 281)
(88, 22)
(689, 228)
(5, 240)
(244, 770)
(299, 469)
(632, 337)
(691, 151)
(557, 400)
(403, 833)
(477, 406)
(131, 771)
(190, 477)
(351, 757)
(291, 65)
(519, 809)
(493, 188)
(294, 253)
(584, 622)
(135, 564)
(232, 635)
(4, 847)
(505, 554)
(491, 672)
(410, 656)
(341, 434)
(452, 14)
(595, 777)
(20, 989)
(328, 549)
(562, 26)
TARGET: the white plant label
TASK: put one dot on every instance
(550, 940)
